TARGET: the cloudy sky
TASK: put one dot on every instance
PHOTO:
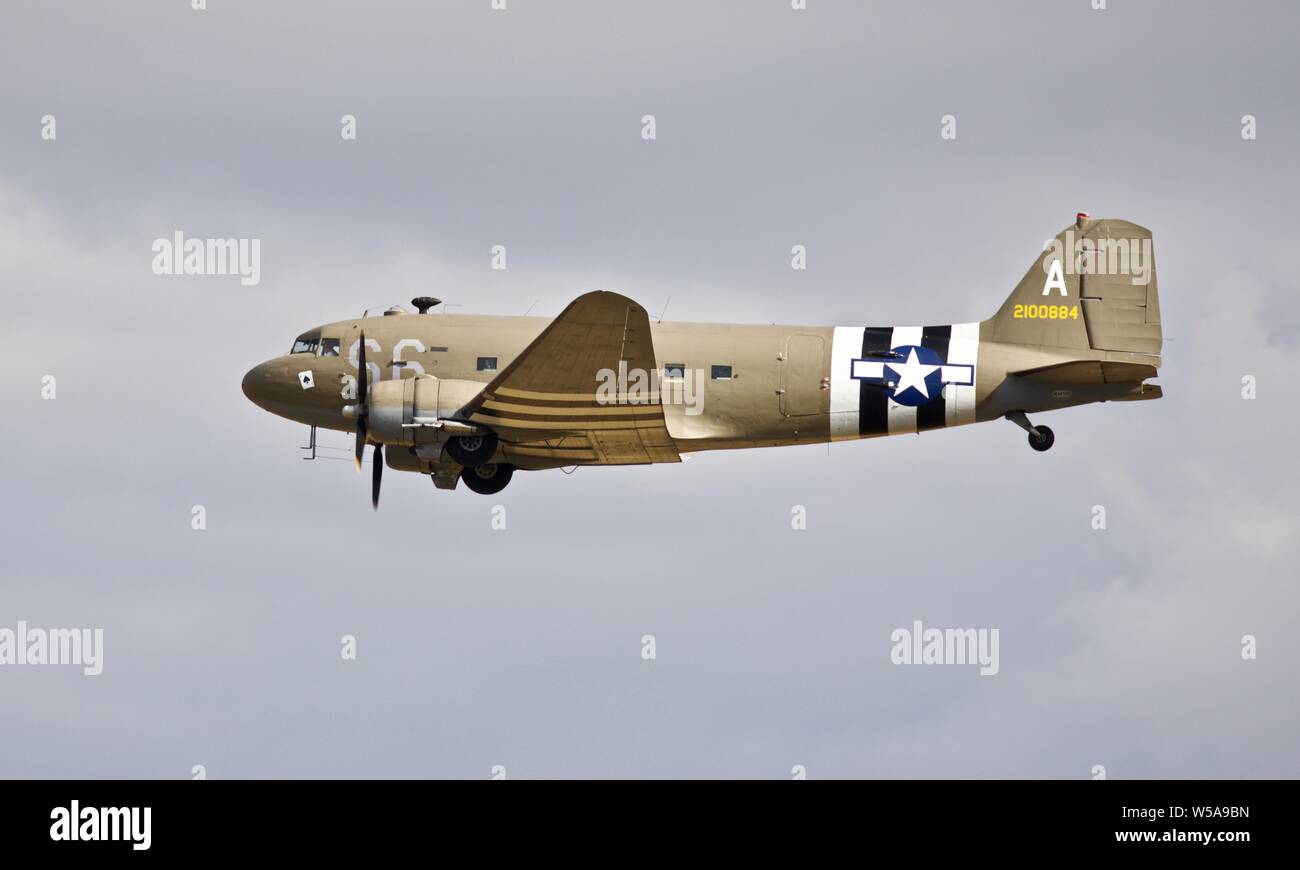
(522, 648)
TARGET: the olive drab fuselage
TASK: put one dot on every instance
(566, 390)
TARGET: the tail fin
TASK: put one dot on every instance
(1093, 288)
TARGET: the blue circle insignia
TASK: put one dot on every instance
(914, 375)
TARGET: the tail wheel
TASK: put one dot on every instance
(472, 450)
(1043, 440)
(488, 479)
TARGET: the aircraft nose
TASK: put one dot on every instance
(256, 384)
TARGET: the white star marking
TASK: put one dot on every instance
(912, 374)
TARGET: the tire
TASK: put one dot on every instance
(1045, 440)
(489, 478)
(472, 450)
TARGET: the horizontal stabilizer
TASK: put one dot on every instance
(1085, 372)
(1145, 391)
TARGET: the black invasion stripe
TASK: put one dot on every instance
(932, 414)
(873, 408)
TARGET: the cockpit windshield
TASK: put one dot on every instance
(306, 343)
(329, 347)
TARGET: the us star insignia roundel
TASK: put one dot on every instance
(912, 375)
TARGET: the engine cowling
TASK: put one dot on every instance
(395, 406)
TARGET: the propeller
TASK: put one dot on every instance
(363, 407)
(362, 398)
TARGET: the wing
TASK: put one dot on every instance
(546, 404)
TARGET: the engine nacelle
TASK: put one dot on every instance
(413, 410)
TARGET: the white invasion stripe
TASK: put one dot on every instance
(865, 368)
(846, 343)
(902, 418)
(963, 349)
(958, 374)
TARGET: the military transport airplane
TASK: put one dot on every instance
(474, 398)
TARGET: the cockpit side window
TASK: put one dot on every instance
(329, 347)
(306, 343)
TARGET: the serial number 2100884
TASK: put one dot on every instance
(1045, 312)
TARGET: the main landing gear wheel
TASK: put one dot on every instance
(472, 450)
(1043, 440)
(488, 479)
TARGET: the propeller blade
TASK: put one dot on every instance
(376, 475)
(361, 441)
(362, 373)
(362, 407)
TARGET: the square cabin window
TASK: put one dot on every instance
(722, 373)
(329, 347)
(487, 363)
(674, 371)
